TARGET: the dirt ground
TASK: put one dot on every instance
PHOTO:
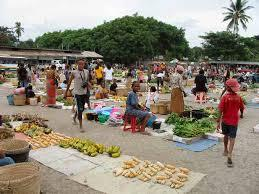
(242, 179)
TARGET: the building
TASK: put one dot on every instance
(33, 56)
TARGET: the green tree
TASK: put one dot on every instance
(7, 37)
(236, 14)
(18, 29)
(229, 46)
(26, 44)
(125, 40)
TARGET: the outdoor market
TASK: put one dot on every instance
(130, 106)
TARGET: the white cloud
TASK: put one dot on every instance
(197, 17)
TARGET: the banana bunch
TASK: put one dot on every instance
(22, 128)
(100, 148)
(91, 151)
(114, 151)
(64, 144)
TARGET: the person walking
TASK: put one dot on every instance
(22, 75)
(99, 73)
(81, 85)
(229, 107)
(176, 82)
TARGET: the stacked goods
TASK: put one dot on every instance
(32, 129)
(89, 147)
(188, 127)
(164, 174)
(119, 98)
(44, 140)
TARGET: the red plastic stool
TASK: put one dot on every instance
(132, 125)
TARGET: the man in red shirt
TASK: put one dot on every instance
(229, 107)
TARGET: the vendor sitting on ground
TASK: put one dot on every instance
(101, 92)
(152, 97)
(5, 160)
(133, 108)
(113, 87)
(200, 81)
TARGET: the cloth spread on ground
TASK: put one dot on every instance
(198, 146)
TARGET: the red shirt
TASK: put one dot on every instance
(230, 105)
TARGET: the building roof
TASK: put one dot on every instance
(91, 54)
(45, 53)
(234, 62)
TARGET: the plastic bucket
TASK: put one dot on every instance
(10, 99)
(102, 118)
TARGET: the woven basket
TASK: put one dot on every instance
(6, 133)
(163, 109)
(154, 108)
(19, 100)
(14, 146)
(22, 178)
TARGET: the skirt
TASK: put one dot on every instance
(177, 102)
(51, 92)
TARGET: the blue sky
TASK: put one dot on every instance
(195, 16)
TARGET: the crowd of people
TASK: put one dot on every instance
(83, 78)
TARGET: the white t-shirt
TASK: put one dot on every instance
(108, 73)
(152, 98)
(161, 75)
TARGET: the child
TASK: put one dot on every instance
(113, 87)
(133, 108)
(152, 97)
(229, 107)
(101, 92)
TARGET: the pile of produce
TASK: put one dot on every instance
(118, 74)
(10, 75)
(32, 129)
(25, 117)
(164, 174)
(254, 86)
(6, 133)
(165, 90)
(45, 140)
(119, 98)
(62, 100)
(212, 112)
(89, 147)
(188, 127)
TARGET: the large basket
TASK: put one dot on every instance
(23, 178)
(19, 100)
(163, 109)
(154, 108)
(17, 149)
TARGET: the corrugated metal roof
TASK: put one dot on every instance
(91, 54)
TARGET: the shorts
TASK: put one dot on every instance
(80, 103)
(229, 130)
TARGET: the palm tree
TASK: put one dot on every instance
(18, 29)
(236, 14)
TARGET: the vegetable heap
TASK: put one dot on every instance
(187, 127)
(32, 129)
(62, 100)
(90, 148)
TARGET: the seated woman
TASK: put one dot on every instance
(5, 160)
(101, 92)
(152, 97)
(200, 81)
(133, 108)
(113, 88)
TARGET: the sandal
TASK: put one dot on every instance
(229, 163)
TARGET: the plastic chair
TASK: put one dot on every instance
(200, 97)
(132, 125)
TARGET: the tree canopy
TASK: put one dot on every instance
(229, 46)
(124, 40)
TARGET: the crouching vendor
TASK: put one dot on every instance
(5, 160)
(133, 108)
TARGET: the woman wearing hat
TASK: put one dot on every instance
(176, 82)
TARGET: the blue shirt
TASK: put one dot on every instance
(132, 101)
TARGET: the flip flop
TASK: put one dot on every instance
(230, 163)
